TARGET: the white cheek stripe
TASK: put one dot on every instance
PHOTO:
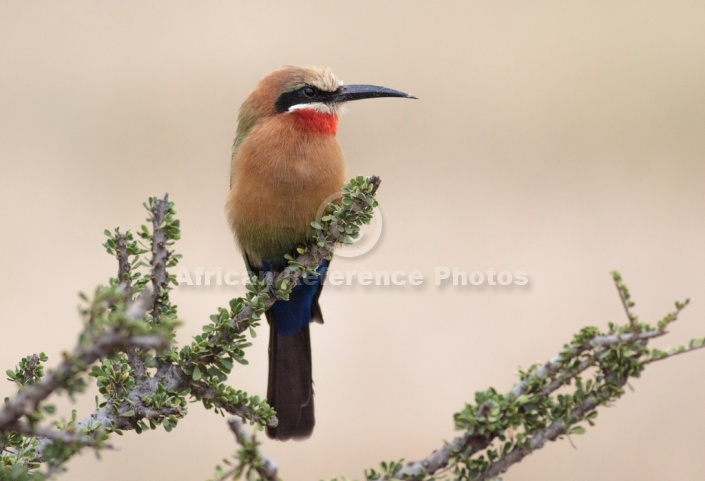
(317, 106)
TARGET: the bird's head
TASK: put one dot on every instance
(311, 94)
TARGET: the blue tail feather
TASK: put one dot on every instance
(290, 316)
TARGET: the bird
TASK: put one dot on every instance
(286, 161)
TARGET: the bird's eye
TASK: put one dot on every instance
(309, 92)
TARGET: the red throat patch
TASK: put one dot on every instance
(315, 121)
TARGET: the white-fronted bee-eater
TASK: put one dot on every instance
(286, 162)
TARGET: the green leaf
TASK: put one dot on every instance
(577, 430)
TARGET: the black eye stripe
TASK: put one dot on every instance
(302, 95)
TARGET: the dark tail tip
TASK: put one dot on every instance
(290, 389)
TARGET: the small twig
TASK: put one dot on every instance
(209, 393)
(661, 355)
(556, 429)
(123, 259)
(440, 458)
(627, 303)
(29, 370)
(159, 254)
(124, 275)
(140, 306)
(264, 466)
(554, 364)
(26, 402)
(57, 435)
(611, 339)
(375, 181)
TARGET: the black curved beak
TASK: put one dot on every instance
(346, 93)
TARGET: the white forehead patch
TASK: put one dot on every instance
(324, 79)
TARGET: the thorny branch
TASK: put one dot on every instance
(137, 392)
(588, 351)
(555, 372)
(557, 428)
(27, 401)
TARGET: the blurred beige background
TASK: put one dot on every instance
(557, 139)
